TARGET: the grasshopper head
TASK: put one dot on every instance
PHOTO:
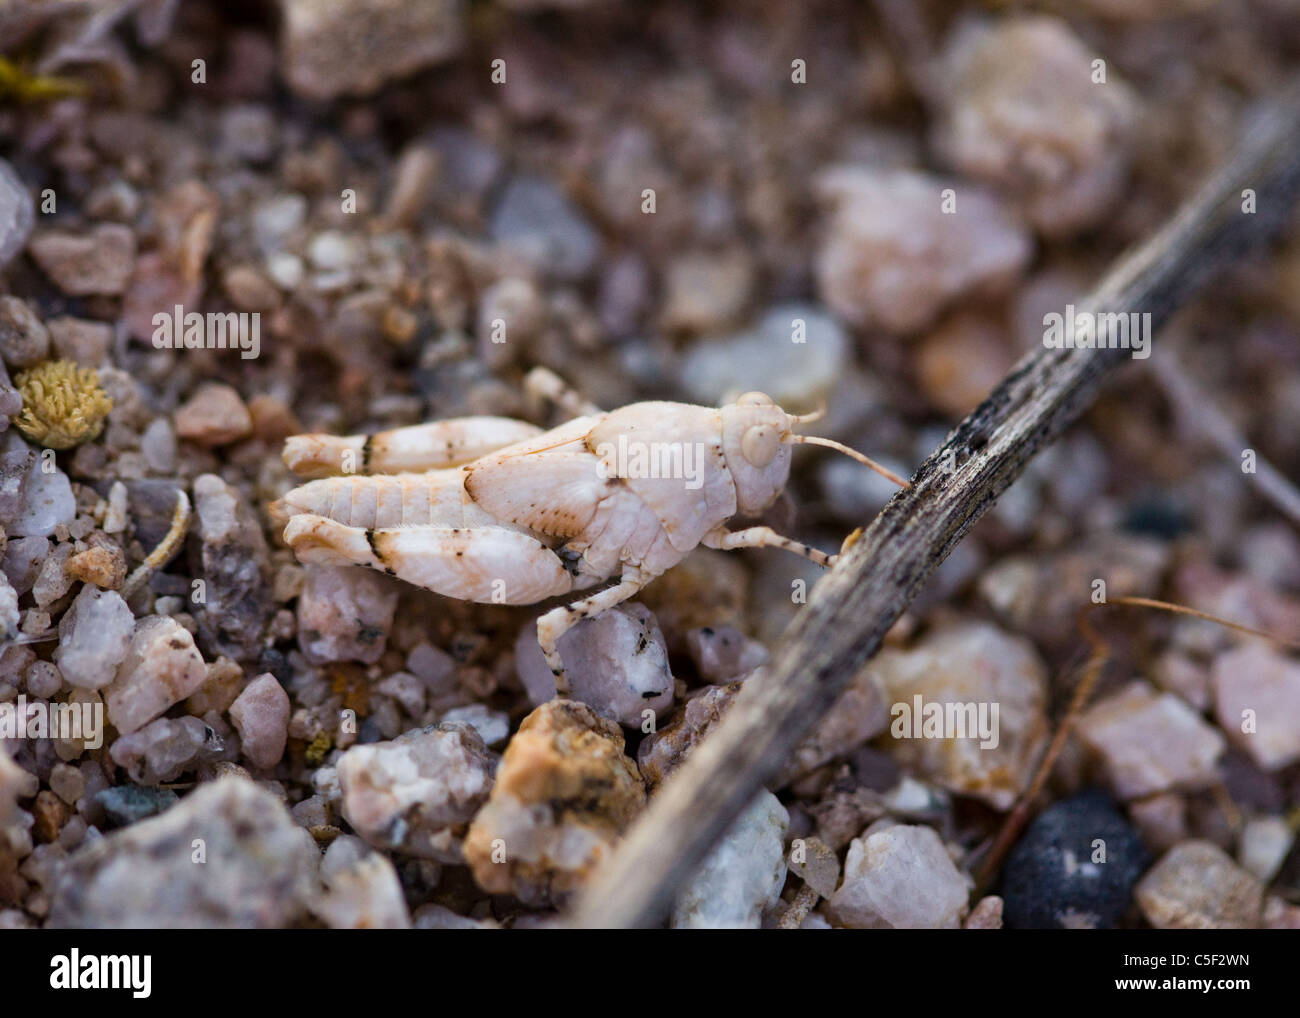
(757, 436)
(756, 443)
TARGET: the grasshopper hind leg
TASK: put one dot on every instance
(487, 565)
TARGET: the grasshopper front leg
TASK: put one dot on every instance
(763, 537)
(558, 621)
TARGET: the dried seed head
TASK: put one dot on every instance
(63, 404)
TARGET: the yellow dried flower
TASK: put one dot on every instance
(318, 747)
(63, 404)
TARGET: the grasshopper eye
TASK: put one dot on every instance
(760, 444)
(755, 399)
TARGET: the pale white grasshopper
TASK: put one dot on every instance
(495, 510)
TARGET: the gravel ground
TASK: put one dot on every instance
(221, 228)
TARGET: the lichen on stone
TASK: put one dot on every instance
(63, 404)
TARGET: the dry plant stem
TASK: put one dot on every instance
(877, 577)
(167, 547)
(1019, 816)
(804, 902)
(1200, 412)
(1182, 609)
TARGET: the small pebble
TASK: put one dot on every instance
(893, 259)
(986, 915)
(53, 580)
(795, 353)
(35, 622)
(1023, 111)
(1039, 594)
(978, 668)
(49, 814)
(663, 751)
(724, 653)
(360, 894)
(333, 250)
(94, 635)
(162, 667)
(344, 614)
(96, 262)
(564, 793)
(860, 714)
(1280, 914)
(43, 678)
(1197, 886)
(15, 464)
(215, 416)
(17, 213)
(409, 691)
(158, 447)
(959, 363)
(418, 792)
(1150, 742)
(11, 400)
(236, 569)
(48, 501)
(258, 871)
(77, 339)
(518, 306)
(248, 132)
(706, 290)
(900, 878)
(103, 566)
(742, 875)
(439, 917)
(24, 340)
(1257, 703)
(1265, 844)
(22, 561)
(165, 749)
(816, 864)
(493, 726)
(261, 716)
(535, 219)
(1160, 819)
(8, 610)
(324, 56)
(617, 662)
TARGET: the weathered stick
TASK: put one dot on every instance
(853, 607)
(1201, 413)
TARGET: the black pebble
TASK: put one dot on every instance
(1156, 518)
(126, 804)
(274, 661)
(1049, 880)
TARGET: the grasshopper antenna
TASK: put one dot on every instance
(816, 415)
(829, 443)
